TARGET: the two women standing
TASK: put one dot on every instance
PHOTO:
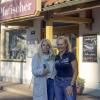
(46, 79)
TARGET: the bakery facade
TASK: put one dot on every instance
(77, 20)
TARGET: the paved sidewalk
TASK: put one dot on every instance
(6, 95)
(25, 90)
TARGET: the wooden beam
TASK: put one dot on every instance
(22, 22)
(76, 20)
(69, 10)
(68, 30)
(76, 8)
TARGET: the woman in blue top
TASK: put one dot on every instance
(67, 71)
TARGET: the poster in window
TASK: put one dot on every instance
(15, 44)
(32, 43)
(90, 48)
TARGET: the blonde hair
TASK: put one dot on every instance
(65, 39)
(51, 52)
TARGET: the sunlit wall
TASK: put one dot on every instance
(90, 71)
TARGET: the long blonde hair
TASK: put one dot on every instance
(51, 52)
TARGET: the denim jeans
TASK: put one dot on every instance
(60, 89)
(50, 89)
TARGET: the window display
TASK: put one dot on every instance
(15, 44)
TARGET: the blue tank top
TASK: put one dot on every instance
(63, 64)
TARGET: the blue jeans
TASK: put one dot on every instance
(60, 92)
(50, 89)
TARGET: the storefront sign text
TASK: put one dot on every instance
(17, 8)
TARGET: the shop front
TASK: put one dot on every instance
(20, 33)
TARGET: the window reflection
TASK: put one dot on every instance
(15, 44)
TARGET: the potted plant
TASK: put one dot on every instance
(80, 85)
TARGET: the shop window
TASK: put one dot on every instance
(15, 44)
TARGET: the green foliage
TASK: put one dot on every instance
(80, 82)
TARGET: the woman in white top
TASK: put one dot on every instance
(43, 72)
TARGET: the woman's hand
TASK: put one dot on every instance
(69, 90)
(45, 71)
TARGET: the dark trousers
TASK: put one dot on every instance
(50, 89)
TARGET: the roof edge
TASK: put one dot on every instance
(65, 4)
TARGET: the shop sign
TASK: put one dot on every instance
(19, 8)
(90, 48)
